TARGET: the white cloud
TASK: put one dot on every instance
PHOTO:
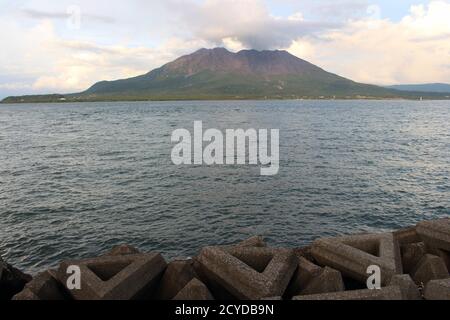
(298, 16)
(126, 39)
(413, 50)
(54, 64)
(15, 86)
(233, 44)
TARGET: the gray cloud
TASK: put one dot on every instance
(37, 14)
(272, 34)
(341, 9)
(248, 22)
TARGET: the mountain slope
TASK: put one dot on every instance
(221, 74)
(246, 74)
(428, 87)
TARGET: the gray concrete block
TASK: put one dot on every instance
(256, 241)
(406, 236)
(429, 268)
(176, 276)
(352, 255)
(305, 272)
(122, 250)
(304, 252)
(195, 290)
(409, 288)
(27, 295)
(116, 277)
(444, 255)
(386, 293)
(43, 287)
(248, 273)
(438, 289)
(257, 258)
(412, 253)
(329, 280)
(435, 233)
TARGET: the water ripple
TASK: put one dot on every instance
(76, 180)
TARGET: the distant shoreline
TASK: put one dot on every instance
(227, 99)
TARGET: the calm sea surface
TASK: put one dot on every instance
(77, 179)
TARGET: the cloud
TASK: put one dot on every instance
(54, 64)
(37, 14)
(85, 63)
(248, 22)
(343, 9)
(347, 37)
(13, 86)
(413, 50)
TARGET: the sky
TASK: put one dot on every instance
(68, 45)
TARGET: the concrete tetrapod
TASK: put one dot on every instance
(115, 277)
(249, 273)
(352, 255)
(435, 233)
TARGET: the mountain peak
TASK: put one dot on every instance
(244, 62)
(251, 51)
(212, 50)
(264, 51)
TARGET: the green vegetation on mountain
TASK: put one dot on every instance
(427, 87)
(220, 74)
